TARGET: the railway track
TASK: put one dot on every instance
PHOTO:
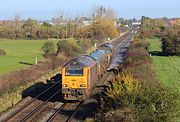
(62, 115)
(115, 42)
(67, 111)
(121, 46)
(24, 112)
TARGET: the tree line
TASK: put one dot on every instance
(151, 27)
(101, 26)
(169, 35)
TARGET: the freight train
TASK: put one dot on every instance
(80, 75)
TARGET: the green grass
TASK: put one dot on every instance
(167, 67)
(19, 51)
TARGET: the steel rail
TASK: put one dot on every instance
(29, 102)
(56, 113)
(40, 106)
(74, 113)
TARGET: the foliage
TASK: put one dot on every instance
(103, 28)
(136, 94)
(135, 101)
(137, 54)
(171, 41)
(151, 27)
(30, 28)
(83, 33)
(69, 47)
(49, 49)
(2, 52)
(99, 30)
(86, 44)
(100, 26)
(124, 83)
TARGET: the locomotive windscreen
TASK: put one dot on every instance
(74, 71)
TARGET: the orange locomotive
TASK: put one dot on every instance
(80, 75)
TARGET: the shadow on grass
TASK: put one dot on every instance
(25, 63)
(156, 53)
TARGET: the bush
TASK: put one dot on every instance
(138, 54)
(171, 42)
(86, 44)
(131, 100)
(2, 52)
(137, 43)
(69, 47)
(136, 94)
(49, 49)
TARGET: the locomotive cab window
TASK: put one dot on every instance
(74, 71)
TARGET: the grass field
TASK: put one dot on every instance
(167, 67)
(19, 54)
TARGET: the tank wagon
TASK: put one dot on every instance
(80, 75)
(109, 50)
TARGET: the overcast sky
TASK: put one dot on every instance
(46, 9)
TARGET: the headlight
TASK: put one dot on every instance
(82, 85)
(65, 85)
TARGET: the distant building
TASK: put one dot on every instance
(136, 23)
(126, 26)
(174, 22)
(87, 23)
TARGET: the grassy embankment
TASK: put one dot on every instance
(10, 99)
(167, 67)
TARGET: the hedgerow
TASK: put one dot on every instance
(72, 48)
(136, 94)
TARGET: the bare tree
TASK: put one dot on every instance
(110, 13)
(102, 12)
(17, 27)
